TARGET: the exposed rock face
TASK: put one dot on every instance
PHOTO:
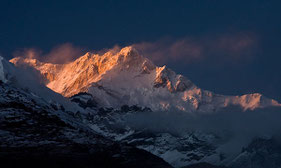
(84, 100)
(167, 78)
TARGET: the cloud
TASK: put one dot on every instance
(60, 54)
(235, 128)
(28, 53)
(223, 48)
(218, 49)
(165, 50)
(115, 49)
(237, 46)
(63, 53)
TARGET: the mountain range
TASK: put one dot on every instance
(120, 109)
(126, 77)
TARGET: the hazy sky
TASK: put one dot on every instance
(230, 47)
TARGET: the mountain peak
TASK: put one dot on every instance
(256, 100)
(128, 50)
(129, 56)
(74, 77)
(123, 77)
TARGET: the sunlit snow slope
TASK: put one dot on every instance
(126, 77)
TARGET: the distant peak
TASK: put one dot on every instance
(130, 53)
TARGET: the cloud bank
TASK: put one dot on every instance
(235, 128)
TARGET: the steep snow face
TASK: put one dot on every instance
(7, 70)
(75, 77)
(26, 79)
(126, 77)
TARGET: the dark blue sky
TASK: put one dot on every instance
(238, 43)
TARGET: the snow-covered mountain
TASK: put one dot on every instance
(116, 106)
(29, 80)
(119, 92)
(40, 128)
(126, 77)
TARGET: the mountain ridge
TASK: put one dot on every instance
(179, 143)
(126, 77)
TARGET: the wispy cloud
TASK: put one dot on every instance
(236, 46)
(63, 53)
(165, 50)
(28, 53)
(222, 48)
(60, 54)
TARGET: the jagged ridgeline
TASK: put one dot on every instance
(127, 77)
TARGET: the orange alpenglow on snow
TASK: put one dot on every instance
(126, 77)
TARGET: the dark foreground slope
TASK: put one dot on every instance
(34, 133)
